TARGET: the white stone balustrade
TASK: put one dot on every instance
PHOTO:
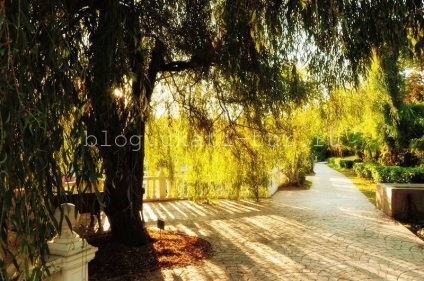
(161, 187)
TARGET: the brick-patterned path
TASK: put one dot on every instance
(330, 232)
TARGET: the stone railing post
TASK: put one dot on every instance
(70, 253)
(162, 184)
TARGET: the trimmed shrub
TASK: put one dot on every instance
(417, 175)
(386, 174)
(346, 163)
(359, 169)
(332, 160)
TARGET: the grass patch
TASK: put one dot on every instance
(306, 185)
(367, 187)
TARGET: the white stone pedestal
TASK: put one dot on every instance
(72, 268)
(70, 253)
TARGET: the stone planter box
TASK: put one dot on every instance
(403, 202)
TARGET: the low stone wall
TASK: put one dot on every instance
(403, 202)
(276, 179)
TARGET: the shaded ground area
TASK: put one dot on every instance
(168, 249)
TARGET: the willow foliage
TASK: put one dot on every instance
(61, 62)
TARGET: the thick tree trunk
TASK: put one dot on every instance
(124, 191)
(122, 163)
(117, 126)
(125, 220)
(124, 212)
(127, 228)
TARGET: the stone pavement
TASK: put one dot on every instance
(330, 232)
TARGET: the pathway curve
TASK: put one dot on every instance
(330, 232)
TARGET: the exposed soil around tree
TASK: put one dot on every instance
(167, 249)
(290, 187)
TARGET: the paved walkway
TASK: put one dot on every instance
(330, 232)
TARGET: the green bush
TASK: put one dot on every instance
(359, 169)
(346, 163)
(366, 170)
(394, 174)
(380, 174)
(417, 175)
(363, 170)
(332, 160)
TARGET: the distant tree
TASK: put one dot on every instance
(415, 87)
(96, 63)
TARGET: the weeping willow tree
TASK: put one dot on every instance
(83, 73)
(380, 129)
(354, 126)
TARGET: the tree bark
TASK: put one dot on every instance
(124, 166)
(124, 213)
(119, 126)
(123, 187)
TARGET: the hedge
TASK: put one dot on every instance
(393, 174)
(346, 163)
(364, 170)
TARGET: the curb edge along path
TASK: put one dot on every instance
(330, 232)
